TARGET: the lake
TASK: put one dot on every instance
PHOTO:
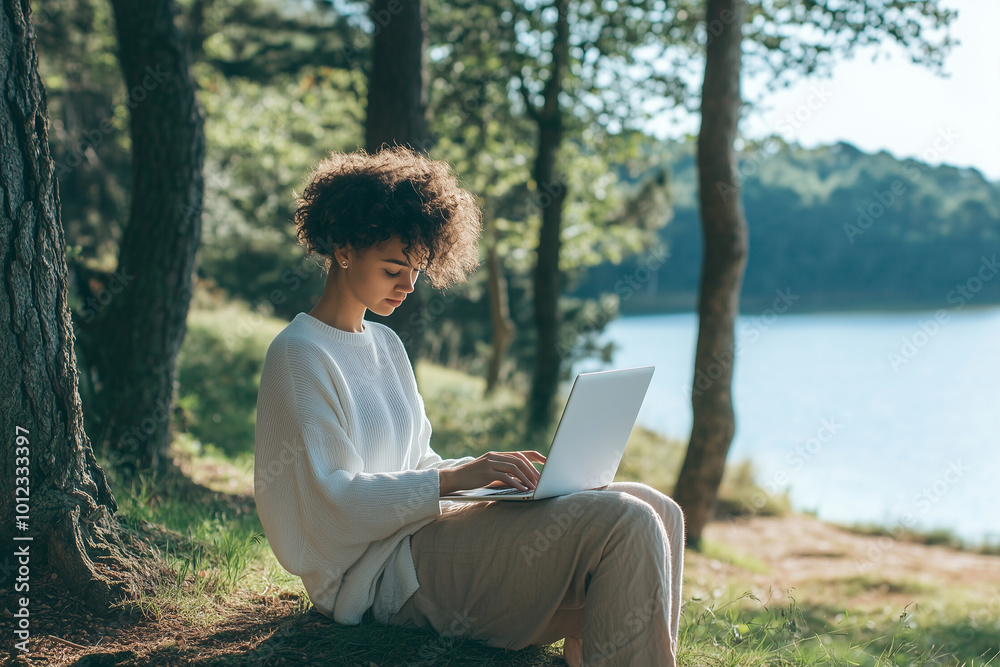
(889, 418)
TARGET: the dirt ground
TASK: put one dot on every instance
(790, 553)
(802, 552)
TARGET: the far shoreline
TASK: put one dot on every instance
(752, 309)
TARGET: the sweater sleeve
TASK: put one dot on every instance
(312, 493)
(344, 507)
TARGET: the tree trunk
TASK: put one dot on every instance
(724, 231)
(502, 324)
(134, 334)
(57, 508)
(397, 114)
(549, 195)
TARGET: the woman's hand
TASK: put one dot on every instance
(493, 469)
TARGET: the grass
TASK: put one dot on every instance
(937, 536)
(741, 629)
(852, 586)
(222, 566)
(726, 554)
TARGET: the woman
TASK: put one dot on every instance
(347, 485)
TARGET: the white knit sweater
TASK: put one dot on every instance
(343, 470)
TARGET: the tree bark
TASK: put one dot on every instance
(57, 508)
(549, 196)
(724, 230)
(134, 334)
(397, 115)
(500, 319)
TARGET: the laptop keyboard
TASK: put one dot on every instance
(508, 492)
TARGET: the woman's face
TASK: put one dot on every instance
(379, 277)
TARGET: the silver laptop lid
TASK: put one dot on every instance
(594, 428)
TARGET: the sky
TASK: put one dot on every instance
(892, 104)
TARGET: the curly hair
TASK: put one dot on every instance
(361, 200)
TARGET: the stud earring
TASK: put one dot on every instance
(344, 264)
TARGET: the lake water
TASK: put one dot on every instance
(885, 418)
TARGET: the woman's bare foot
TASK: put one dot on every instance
(573, 651)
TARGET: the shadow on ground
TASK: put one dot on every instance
(312, 639)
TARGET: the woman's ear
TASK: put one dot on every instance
(342, 257)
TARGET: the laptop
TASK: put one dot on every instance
(590, 438)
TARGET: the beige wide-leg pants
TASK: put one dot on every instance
(603, 565)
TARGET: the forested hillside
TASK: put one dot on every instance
(835, 228)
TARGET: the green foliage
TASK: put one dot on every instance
(272, 113)
(256, 160)
(88, 123)
(833, 226)
(776, 43)
(222, 410)
(263, 40)
(464, 427)
(219, 368)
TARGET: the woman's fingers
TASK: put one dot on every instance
(530, 457)
(525, 467)
(534, 456)
(515, 470)
(510, 466)
(524, 463)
